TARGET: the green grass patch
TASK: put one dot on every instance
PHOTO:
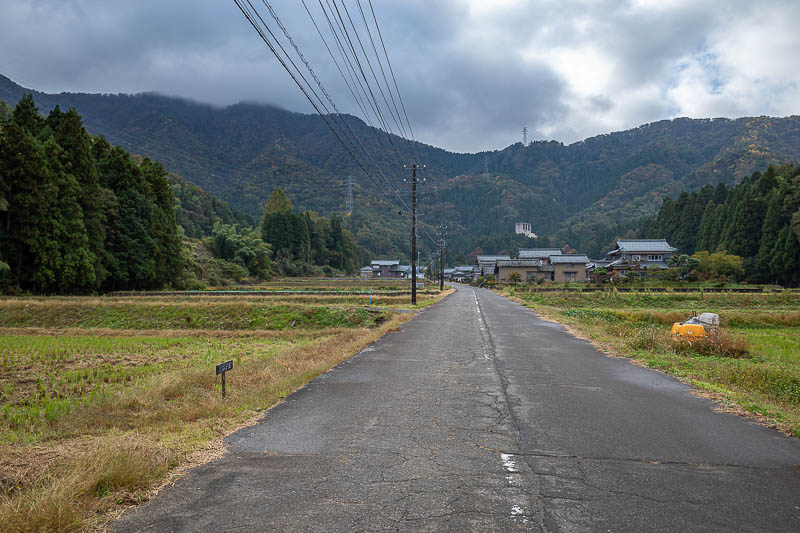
(188, 314)
(754, 362)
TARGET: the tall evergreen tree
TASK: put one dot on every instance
(77, 160)
(754, 220)
(26, 115)
(29, 238)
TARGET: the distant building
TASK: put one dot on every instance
(464, 273)
(524, 228)
(538, 253)
(392, 269)
(365, 272)
(486, 263)
(405, 271)
(637, 255)
(529, 270)
(557, 267)
(567, 268)
(386, 269)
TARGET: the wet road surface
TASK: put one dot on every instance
(477, 416)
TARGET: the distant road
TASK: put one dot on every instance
(477, 416)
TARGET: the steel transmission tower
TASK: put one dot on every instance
(525, 136)
(349, 195)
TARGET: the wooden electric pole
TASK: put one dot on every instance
(413, 234)
(441, 257)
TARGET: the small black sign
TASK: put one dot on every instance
(224, 367)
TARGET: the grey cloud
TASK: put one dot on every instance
(471, 76)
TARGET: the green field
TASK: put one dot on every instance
(101, 397)
(754, 365)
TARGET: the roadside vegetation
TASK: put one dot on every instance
(753, 364)
(102, 399)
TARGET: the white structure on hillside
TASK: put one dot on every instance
(524, 228)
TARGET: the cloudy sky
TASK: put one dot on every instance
(472, 72)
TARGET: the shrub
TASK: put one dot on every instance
(719, 344)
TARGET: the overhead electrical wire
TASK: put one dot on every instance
(384, 123)
(416, 154)
(367, 100)
(251, 19)
(339, 114)
(354, 83)
(415, 157)
(343, 41)
(333, 117)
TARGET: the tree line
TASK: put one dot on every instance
(757, 220)
(80, 216)
(301, 241)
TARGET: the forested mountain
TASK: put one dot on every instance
(196, 211)
(583, 194)
(758, 220)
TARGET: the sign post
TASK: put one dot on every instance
(221, 369)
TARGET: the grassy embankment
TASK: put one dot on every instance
(755, 363)
(101, 399)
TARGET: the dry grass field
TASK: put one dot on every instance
(104, 398)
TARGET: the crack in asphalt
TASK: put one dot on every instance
(653, 462)
(489, 346)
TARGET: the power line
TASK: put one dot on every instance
(247, 14)
(354, 78)
(371, 96)
(322, 88)
(336, 123)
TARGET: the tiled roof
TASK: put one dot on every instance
(644, 245)
(532, 253)
(386, 263)
(576, 259)
(519, 262)
(407, 268)
(491, 258)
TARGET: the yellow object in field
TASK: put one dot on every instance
(695, 331)
(697, 327)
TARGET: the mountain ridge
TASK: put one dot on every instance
(572, 194)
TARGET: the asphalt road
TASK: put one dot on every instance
(477, 416)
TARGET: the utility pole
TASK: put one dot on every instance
(414, 168)
(441, 256)
(413, 234)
